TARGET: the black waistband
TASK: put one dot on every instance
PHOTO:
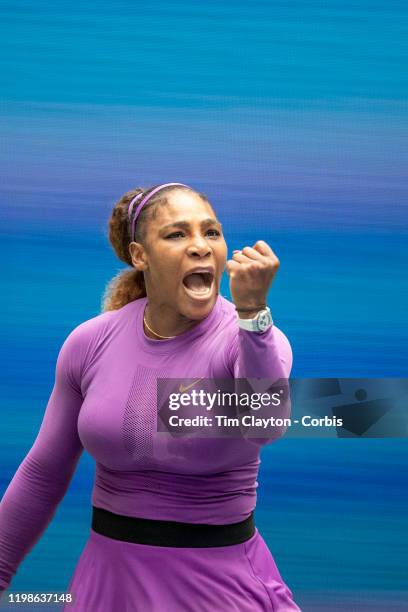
(170, 533)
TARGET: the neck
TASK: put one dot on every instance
(165, 322)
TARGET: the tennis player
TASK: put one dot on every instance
(172, 517)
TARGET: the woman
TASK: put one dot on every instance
(172, 526)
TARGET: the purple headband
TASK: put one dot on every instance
(143, 202)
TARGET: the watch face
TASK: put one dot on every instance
(264, 319)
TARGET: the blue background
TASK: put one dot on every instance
(291, 118)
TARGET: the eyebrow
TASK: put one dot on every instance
(186, 224)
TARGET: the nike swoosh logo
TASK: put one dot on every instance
(182, 388)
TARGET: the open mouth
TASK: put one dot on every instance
(199, 284)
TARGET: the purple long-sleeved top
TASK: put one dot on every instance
(104, 400)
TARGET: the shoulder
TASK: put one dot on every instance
(94, 329)
(89, 330)
(83, 339)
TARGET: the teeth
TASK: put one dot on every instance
(200, 291)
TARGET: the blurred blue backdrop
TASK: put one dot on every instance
(291, 117)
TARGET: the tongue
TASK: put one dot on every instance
(195, 282)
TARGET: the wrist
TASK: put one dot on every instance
(248, 314)
(250, 310)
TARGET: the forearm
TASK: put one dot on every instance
(41, 480)
(267, 357)
(261, 356)
(27, 507)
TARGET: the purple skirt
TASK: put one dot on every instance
(115, 575)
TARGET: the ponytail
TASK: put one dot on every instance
(124, 287)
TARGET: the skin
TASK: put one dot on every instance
(170, 252)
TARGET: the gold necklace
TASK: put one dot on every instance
(155, 333)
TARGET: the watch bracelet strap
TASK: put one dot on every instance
(249, 325)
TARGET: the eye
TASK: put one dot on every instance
(174, 235)
(216, 232)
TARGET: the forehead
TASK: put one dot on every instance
(185, 206)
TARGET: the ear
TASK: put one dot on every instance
(138, 256)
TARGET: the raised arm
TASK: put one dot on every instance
(268, 357)
(42, 478)
(252, 354)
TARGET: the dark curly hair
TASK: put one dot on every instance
(128, 285)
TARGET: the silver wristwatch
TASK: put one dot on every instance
(260, 323)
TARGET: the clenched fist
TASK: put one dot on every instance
(251, 272)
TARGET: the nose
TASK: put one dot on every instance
(198, 247)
